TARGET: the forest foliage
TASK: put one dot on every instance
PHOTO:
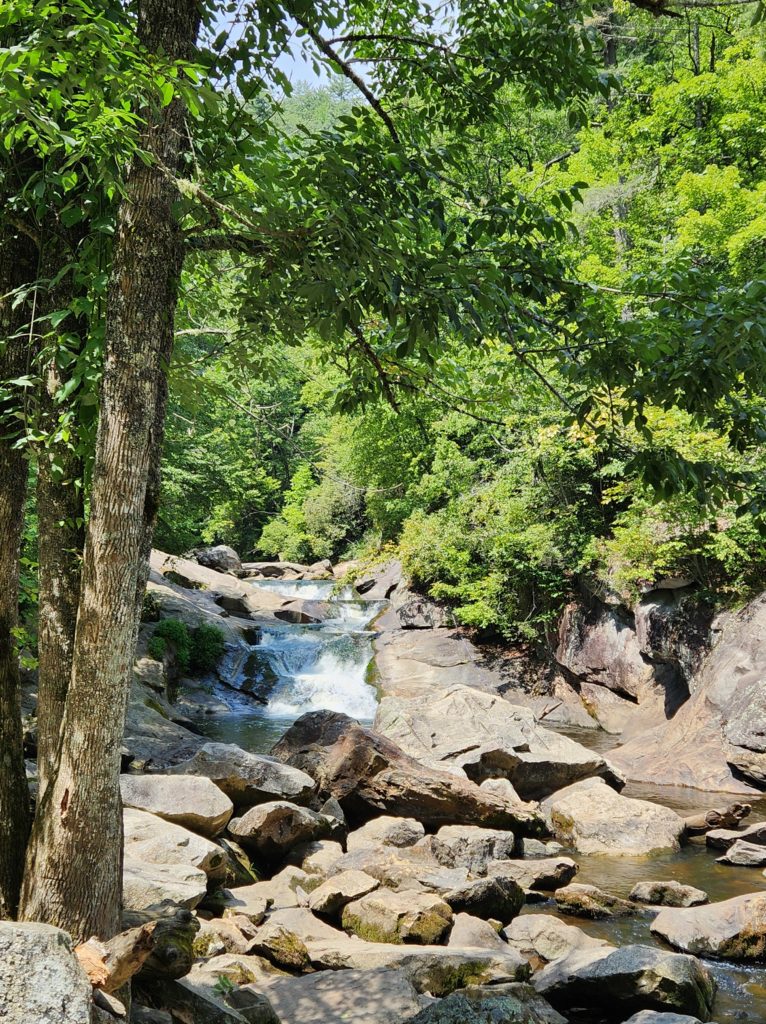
(508, 473)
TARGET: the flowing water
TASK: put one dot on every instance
(322, 666)
(330, 666)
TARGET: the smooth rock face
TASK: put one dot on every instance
(386, 831)
(593, 818)
(41, 980)
(155, 841)
(271, 830)
(333, 895)
(542, 937)
(379, 996)
(195, 803)
(146, 884)
(247, 779)
(668, 894)
(497, 1004)
(488, 737)
(387, 916)
(749, 855)
(589, 901)
(733, 929)
(366, 773)
(628, 979)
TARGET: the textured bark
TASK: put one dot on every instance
(73, 877)
(17, 267)
(60, 541)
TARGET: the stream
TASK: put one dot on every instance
(330, 666)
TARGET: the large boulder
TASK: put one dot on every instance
(589, 901)
(495, 897)
(272, 830)
(622, 981)
(154, 840)
(667, 894)
(378, 996)
(473, 932)
(516, 1003)
(724, 838)
(247, 779)
(488, 737)
(544, 874)
(222, 558)
(541, 938)
(195, 803)
(144, 884)
(387, 916)
(386, 831)
(41, 980)
(368, 773)
(471, 847)
(733, 929)
(333, 894)
(746, 855)
(593, 818)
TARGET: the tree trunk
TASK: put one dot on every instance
(60, 512)
(73, 877)
(17, 267)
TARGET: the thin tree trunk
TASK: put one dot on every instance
(73, 877)
(60, 511)
(17, 267)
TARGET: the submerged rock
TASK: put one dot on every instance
(593, 818)
(733, 929)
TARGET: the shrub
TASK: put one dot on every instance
(196, 650)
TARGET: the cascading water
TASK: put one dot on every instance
(314, 667)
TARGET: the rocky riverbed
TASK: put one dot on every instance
(450, 852)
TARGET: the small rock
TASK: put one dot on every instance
(279, 892)
(652, 1017)
(723, 838)
(502, 788)
(386, 830)
(387, 916)
(747, 855)
(145, 884)
(668, 894)
(333, 894)
(592, 902)
(537, 848)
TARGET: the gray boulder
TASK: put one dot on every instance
(744, 854)
(489, 898)
(271, 830)
(471, 847)
(41, 980)
(593, 818)
(668, 894)
(516, 1003)
(154, 840)
(628, 979)
(541, 938)
(145, 884)
(589, 901)
(222, 558)
(377, 996)
(195, 803)
(544, 874)
(386, 831)
(733, 929)
(332, 895)
(247, 779)
(472, 932)
(723, 838)
(652, 1017)
(387, 916)
(488, 737)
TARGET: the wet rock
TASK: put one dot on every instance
(472, 932)
(154, 840)
(723, 838)
(471, 847)
(41, 980)
(333, 895)
(497, 1004)
(545, 874)
(194, 803)
(488, 737)
(592, 902)
(487, 898)
(271, 830)
(593, 818)
(386, 831)
(378, 996)
(247, 779)
(541, 938)
(368, 773)
(747, 855)
(387, 916)
(222, 558)
(628, 979)
(733, 929)
(668, 894)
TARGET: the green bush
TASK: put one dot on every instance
(196, 650)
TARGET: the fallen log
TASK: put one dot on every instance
(109, 965)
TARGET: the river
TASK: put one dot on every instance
(330, 665)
